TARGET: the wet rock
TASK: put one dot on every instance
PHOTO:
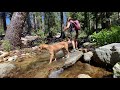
(5, 69)
(74, 57)
(84, 76)
(108, 54)
(55, 74)
(116, 70)
(87, 56)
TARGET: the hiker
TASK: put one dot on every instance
(71, 32)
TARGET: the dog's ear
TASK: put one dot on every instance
(40, 48)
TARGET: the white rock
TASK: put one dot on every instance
(116, 70)
(84, 76)
(13, 58)
(35, 48)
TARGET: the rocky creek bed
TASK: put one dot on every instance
(34, 64)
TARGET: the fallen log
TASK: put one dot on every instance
(28, 40)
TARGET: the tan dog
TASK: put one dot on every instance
(53, 48)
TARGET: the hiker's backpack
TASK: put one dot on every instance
(76, 24)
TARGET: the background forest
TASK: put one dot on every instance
(98, 26)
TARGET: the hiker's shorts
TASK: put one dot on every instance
(71, 35)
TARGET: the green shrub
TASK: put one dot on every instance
(39, 33)
(82, 34)
(6, 45)
(1, 31)
(54, 31)
(106, 36)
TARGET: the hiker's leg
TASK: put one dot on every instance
(76, 39)
(73, 44)
(73, 36)
(76, 44)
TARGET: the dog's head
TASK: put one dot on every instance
(43, 46)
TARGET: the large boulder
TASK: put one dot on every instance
(87, 56)
(116, 70)
(74, 57)
(5, 69)
(108, 54)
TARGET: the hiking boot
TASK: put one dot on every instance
(77, 48)
(73, 50)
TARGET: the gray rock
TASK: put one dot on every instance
(109, 54)
(55, 74)
(87, 56)
(116, 70)
(74, 57)
(5, 69)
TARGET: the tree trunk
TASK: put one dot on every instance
(29, 25)
(108, 24)
(118, 15)
(4, 21)
(43, 21)
(96, 21)
(102, 20)
(85, 20)
(14, 30)
(89, 23)
(1, 22)
(62, 23)
(11, 13)
(34, 22)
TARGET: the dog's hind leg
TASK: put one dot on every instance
(67, 52)
(55, 56)
(64, 52)
(66, 48)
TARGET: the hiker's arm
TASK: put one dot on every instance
(68, 25)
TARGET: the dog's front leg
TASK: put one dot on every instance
(51, 57)
(68, 54)
(64, 52)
